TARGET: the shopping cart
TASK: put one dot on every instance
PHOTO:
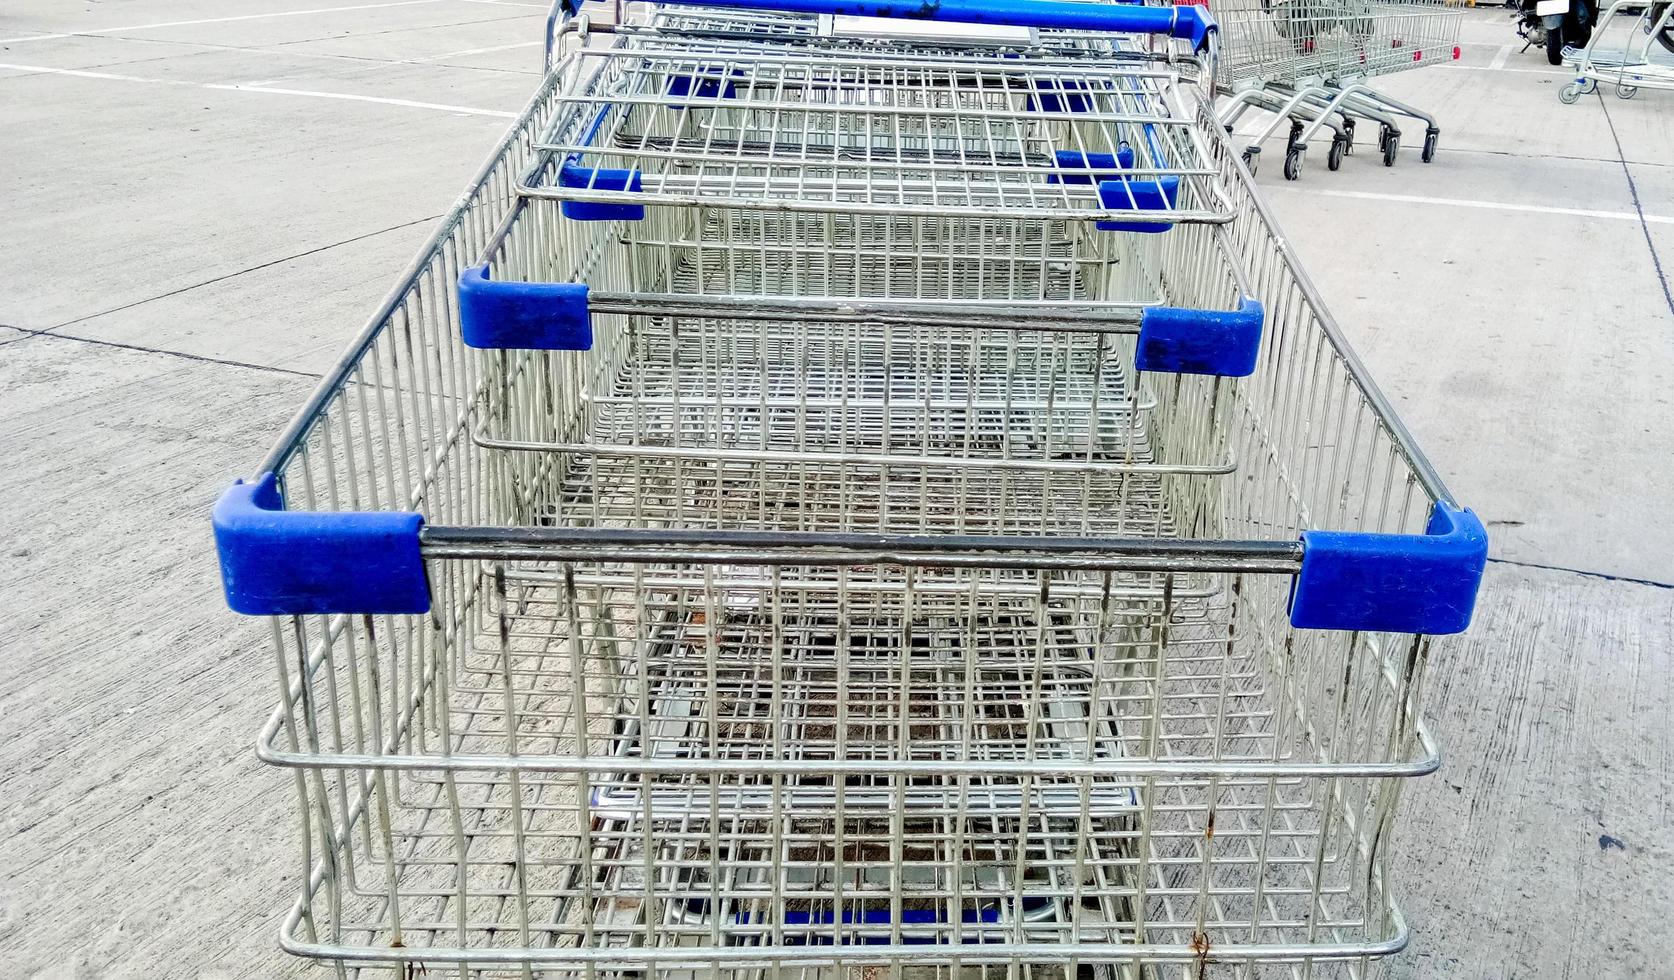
(1308, 62)
(1641, 55)
(797, 576)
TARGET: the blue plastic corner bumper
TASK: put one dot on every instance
(1398, 583)
(497, 315)
(1105, 166)
(576, 176)
(1184, 341)
(1060, 95)
(1138, 194)
(703, 85)
(276, 562)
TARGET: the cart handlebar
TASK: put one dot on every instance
(1190, 23)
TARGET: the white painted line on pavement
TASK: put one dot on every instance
(1555, 72)
(303, 93)
(307, 93)
(362, 69)
(1454, 202)
(82, 73)
(1501, 55)
(470, 51)
(216, 20)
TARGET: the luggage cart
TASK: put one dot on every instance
(1308, 62)
(536, 733)
(1642, 58)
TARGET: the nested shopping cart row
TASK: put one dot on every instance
(1311, 63)
(819, 508)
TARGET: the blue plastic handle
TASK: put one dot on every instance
(1191, 23)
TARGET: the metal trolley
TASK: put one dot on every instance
(1308, 62)
(948, 548)
(1640, 55)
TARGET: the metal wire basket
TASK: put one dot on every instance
(1127, 692)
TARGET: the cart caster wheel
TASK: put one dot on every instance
(1569, 94)
(1390, 149)
(1228, 128)
(1348, 136)
(1626, 91)
(1429, 152)
(1250, 159)
(1334, 156)
(1295, 131)
(1293, 163)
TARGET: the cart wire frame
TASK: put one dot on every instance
(432, 752)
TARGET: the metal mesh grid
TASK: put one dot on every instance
(898, 134)
(830, 409)
(1331, 40)
(910, 841)
(1258, 840)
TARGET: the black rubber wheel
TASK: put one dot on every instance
(1334, 156)
(1348, 135)
(1295, 131)
(1666, 38)
(1250, 162)
(1555, 46)
(1384, 133)
(1429, 152)
(1391, 147)
(1293, 163)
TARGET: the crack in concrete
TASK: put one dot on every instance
(233, 275)
(1633, 191)
(1561, 156)
(29, 334)
(1584, 573)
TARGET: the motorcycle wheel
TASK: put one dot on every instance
(1666, 38)
(1555, 46)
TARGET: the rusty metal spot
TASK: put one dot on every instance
(1200, 946)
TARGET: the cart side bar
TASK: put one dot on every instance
(845, 549)
(511, 315)
(277, 562)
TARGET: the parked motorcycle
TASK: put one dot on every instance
(1554, 24)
